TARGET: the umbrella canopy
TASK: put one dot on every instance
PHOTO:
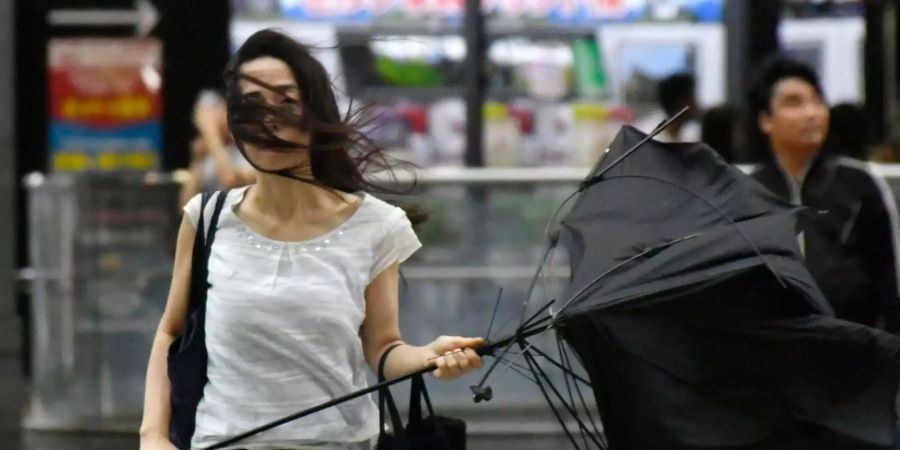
(699, 325)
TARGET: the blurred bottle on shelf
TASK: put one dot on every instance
(589, 134)
(447, 130)
(530, 149)
(418, 146)
(553, 123)
(502, 139)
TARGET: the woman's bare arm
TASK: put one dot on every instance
(381, 329)
(157, 411)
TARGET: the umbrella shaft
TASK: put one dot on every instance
(485, 349)
(319, 407)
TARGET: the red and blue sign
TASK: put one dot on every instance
(105, 104)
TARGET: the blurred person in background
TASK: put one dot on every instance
(849, 226)
(889, 151)
(216, 162)
(849, 131)
(674, 93)
(303, 278)
(717, 129)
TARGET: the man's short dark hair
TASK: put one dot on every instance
(772, 71)
(676, 91)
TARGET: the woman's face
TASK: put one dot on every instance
(275, 73)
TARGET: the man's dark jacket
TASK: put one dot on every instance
(850, 236)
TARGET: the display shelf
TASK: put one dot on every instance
(106, 326)
(424, 27)
(890, 172)
(496, 272)
(488, 175)
(523, 175)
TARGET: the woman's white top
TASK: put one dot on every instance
(283, 322)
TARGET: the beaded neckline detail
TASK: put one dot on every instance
(310, 246)
(317, 244)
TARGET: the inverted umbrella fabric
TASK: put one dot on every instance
(691, 309)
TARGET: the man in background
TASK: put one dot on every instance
(849, 227)
(674, 93)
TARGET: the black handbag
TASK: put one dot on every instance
(420, 433)
(187, 355)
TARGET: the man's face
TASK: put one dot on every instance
(797, 118)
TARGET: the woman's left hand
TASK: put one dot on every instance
(454, 356)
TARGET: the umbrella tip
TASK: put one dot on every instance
(482, 393)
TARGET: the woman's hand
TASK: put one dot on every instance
(156, 443)
(453, 356)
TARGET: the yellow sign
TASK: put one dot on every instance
(74, 161)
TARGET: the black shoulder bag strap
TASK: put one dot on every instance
(418, 393)
(386, 400)
(200, 277)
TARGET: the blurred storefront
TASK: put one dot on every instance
(829, 36)
(561, 77)
(557, 71)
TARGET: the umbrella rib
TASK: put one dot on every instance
(531, 321)
(550, 403)
(564, 355)
(570, 408)
(521, 370)
(566, 373)
(536, 368)
(556, 363)
(487, 336)
(535, 278)
(534, 316)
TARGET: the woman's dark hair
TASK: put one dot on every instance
(341, 155)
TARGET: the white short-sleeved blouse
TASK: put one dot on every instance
(282, 326)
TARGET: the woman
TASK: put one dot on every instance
(304, 274)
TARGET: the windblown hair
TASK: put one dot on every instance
(342, 156)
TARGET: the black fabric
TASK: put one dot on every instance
(848, 238)
(187, 356)
(420, 433)
(699, 324)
